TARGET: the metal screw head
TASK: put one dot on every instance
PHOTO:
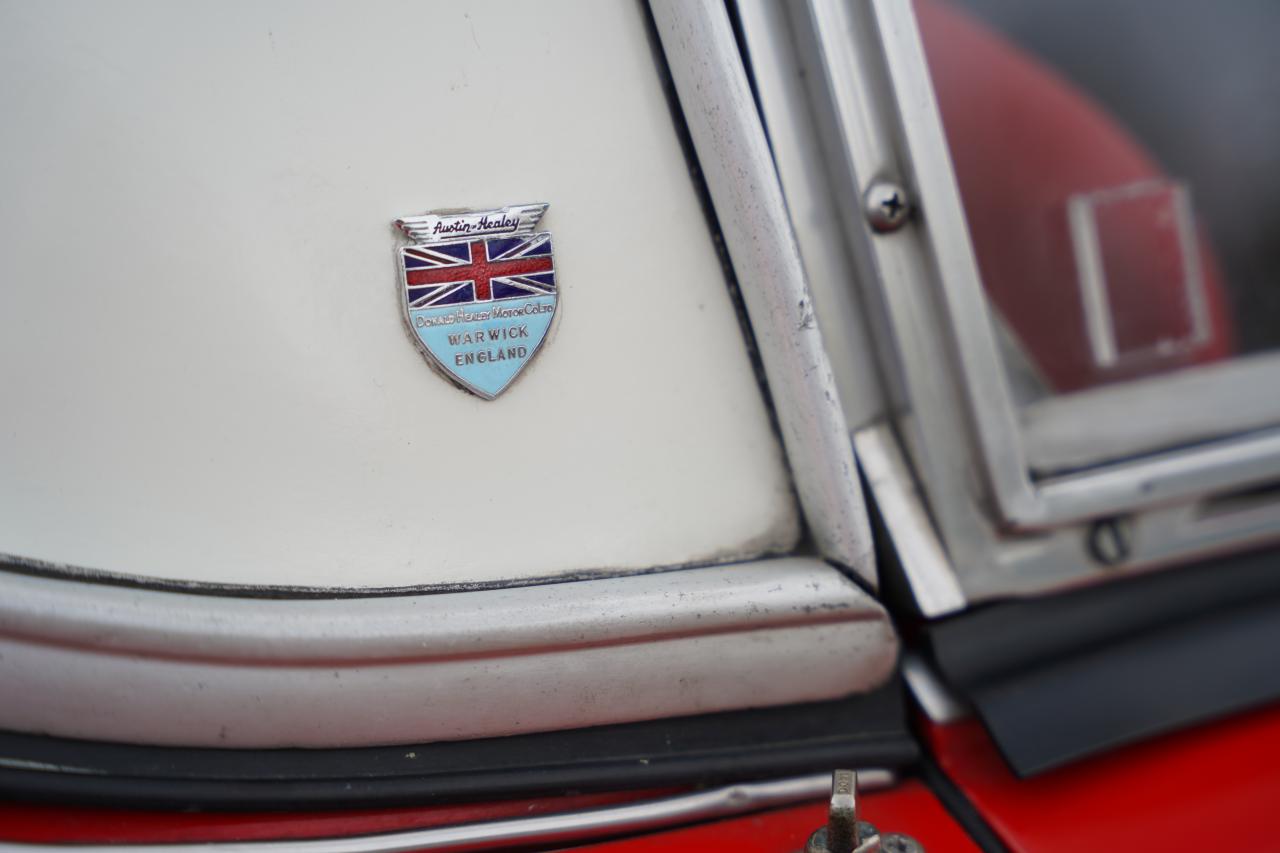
(886, 206)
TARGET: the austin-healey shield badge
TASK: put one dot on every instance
(479, 292)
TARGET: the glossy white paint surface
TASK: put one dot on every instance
(203, 370)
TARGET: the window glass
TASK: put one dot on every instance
(1119, 162)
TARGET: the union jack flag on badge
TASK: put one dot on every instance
(479, 292)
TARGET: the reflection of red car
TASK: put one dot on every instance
(1024, 141)
(1070, 670)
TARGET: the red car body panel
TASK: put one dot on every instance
(1210, 785)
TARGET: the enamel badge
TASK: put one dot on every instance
(479, 292)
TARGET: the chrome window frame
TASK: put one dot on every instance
(1157, 417)
(974, 453)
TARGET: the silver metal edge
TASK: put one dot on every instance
(1164, 478)
(180, 669)
(807, 188)
(838, 48)
(920, 553)
(417, 229)
(548, 829)
(934, 698)
(734, 155)
(944, 230)
(1061, 431)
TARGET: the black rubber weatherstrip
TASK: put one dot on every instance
(1060, 678)
(1205, 668)
(861, 731)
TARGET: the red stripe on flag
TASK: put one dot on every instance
(481, 270)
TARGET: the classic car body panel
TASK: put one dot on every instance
(205, 368)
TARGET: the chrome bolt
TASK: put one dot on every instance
(844, 833)
(842, 814)
(886, 206)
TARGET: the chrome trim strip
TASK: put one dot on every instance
(838, 46)
(1165, 478)
(548, 829)
(166, 668)
(1078, 430)
(934, 698)
(945, 232)
(734, 155)
(920, 553)
(797, 151)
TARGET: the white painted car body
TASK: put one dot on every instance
(205, 370)
(209, 388)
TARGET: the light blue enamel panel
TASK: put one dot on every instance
(484, 344)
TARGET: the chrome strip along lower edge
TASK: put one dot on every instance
(548, 829)
(741, 177)
(175, 669)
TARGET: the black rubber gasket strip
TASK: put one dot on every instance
(1063, 677)
(861, 731)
